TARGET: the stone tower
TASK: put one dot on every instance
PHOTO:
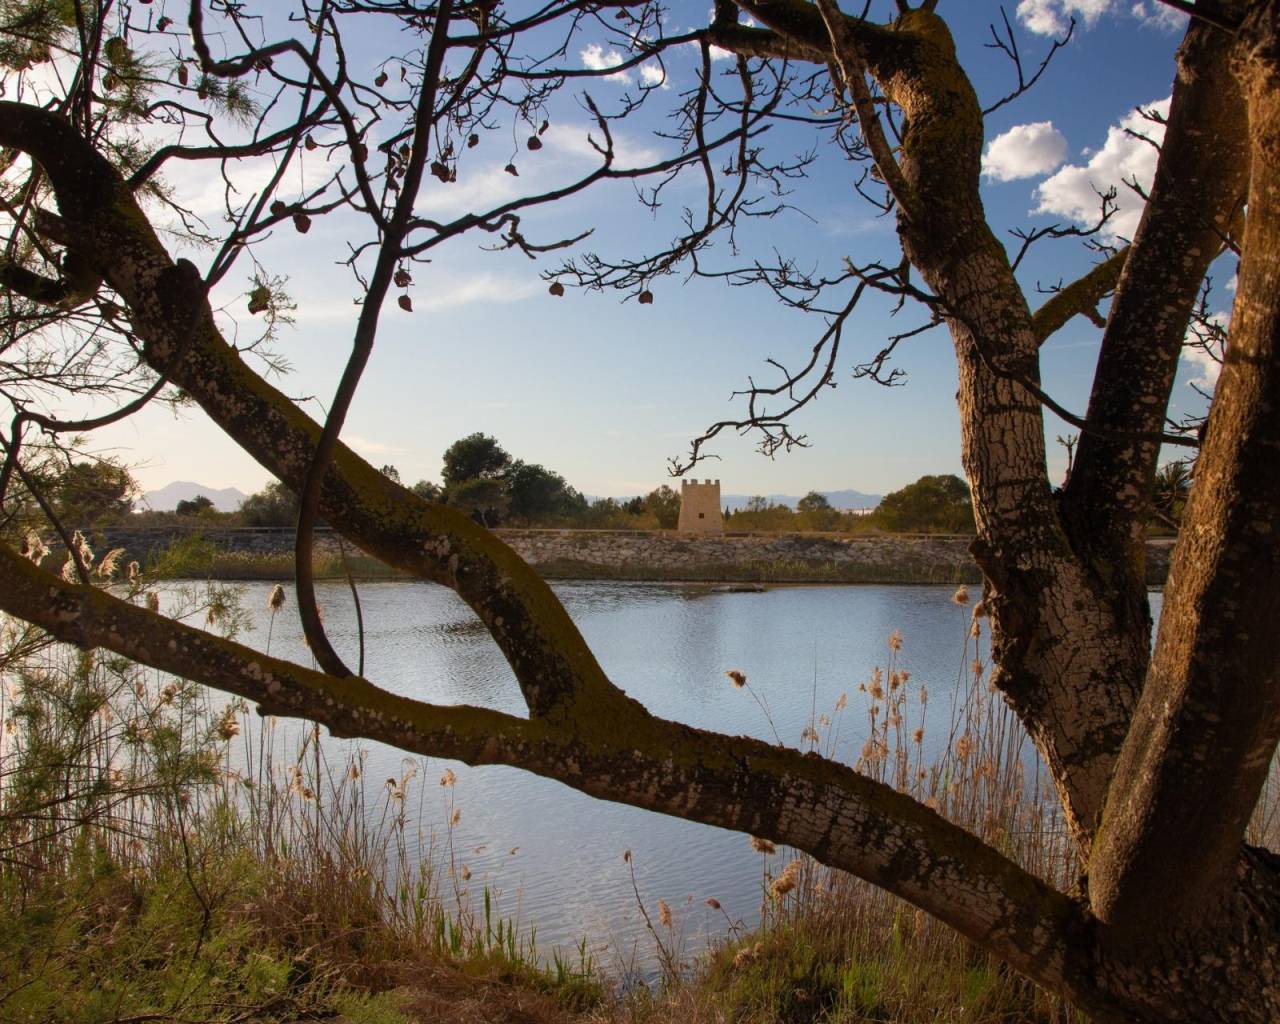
(700, 507)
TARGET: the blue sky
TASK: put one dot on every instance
(605, 391)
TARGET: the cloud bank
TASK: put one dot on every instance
(1051, 17)
(1126, 156)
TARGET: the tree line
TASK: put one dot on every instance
(482, 479)
(496, 489)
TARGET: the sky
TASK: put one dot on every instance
(606, 391)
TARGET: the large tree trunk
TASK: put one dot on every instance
(1066, 594)
(1168, 881)
(1187, 916)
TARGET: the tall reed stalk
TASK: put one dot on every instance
(164, 855)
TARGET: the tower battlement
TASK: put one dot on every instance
(700, 507)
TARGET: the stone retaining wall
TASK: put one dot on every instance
(780, 558)
(147, 543)
(665, 555)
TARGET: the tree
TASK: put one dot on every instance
(1157, 755)
(663, 504)
(474, 457)
(1172, 487)
(194, 506)
(274, 505)
(485, 499)
(89, 492)
(428, 491)
(534, 493)
(933, 504)
(815, 512)
(813, 502)
(761, 514)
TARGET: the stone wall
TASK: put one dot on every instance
(666, 555)
(147, 543)
(779, 558)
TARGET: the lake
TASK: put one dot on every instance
(554, 855)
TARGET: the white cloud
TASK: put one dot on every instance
(199, 187)
(481, 188)
(1206, 365)
(485, 287)
(1024, 151)
(477, 190)
(596, 58)
(431, 292)
(1051, 17)
(1073, 191)
(652, 74)
(572, 139)
(1159, 16)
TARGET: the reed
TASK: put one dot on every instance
(164, 856)
(832, 948)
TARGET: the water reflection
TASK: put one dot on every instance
(669, 646)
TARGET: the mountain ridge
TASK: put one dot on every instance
(166, 498)
(844, 499)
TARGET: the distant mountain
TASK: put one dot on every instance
(838, 499)
(225, 499)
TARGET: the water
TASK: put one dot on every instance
(555, 855)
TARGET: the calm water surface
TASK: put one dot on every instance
(669, 646)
